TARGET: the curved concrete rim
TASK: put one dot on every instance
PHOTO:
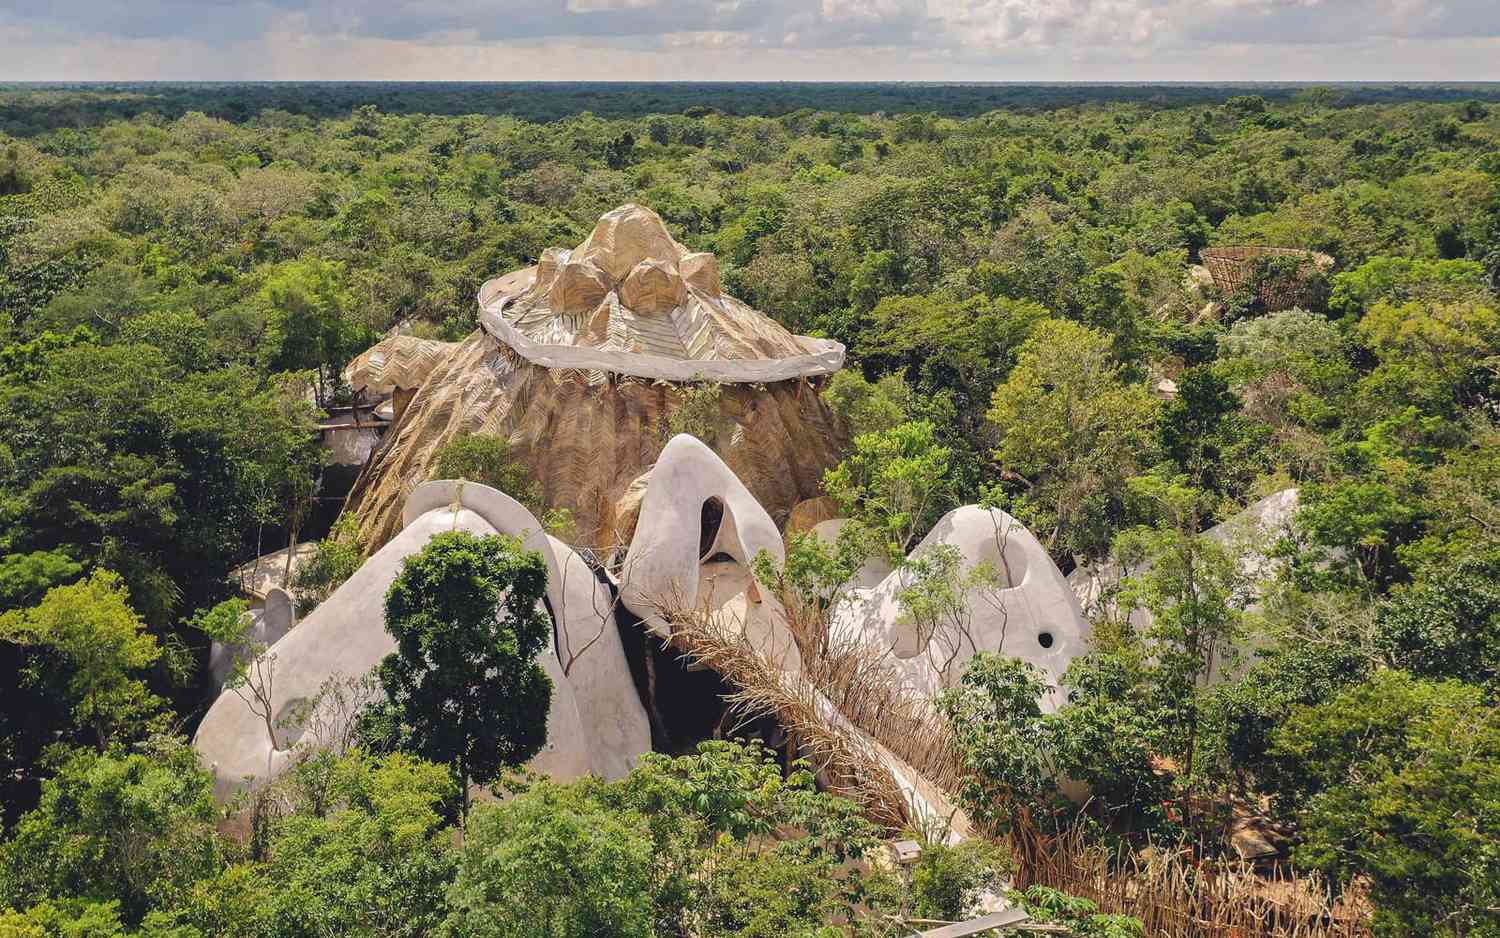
(503, 513)
(828, 358)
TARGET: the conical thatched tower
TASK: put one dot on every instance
(580, 362)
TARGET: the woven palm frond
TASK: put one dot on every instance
(846, 760)
(587, 431)
(586, 443)
(398, 361)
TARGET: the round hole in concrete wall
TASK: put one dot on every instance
(1044, 639)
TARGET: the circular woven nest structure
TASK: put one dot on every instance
(1237, 268)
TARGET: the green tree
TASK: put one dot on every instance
(896, 482)
(554, 862)
(1007, 746)
(1446, 625)
(136, 829)
(104, 651)
(869, 406)
(1196, 590)
(335, 560)
(24, 578)
(1398, 780)
(689, 845)
(1070, 430)
(75, 919)
(1436, 351)
(1205, 437)
(1105, 736)
(961, 346)
(310, 327)
(486, 458)
(463, 686)
(351, 845)
(118, 460)
(1400, 279)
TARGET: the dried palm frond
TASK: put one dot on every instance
(847, 761)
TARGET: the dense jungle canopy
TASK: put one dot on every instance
(185, 271)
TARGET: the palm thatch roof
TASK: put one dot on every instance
(397, 361)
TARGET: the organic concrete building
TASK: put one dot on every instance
(684, 564)
(578, 362)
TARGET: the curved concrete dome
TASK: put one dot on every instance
(595, 724)
(1034, 616)
(631, 300)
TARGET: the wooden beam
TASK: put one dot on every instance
(978, 926)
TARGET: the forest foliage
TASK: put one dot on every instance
(185, 273)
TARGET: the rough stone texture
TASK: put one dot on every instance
(596, 722)
(1036, 618)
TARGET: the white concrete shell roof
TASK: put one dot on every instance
(1034, 617)
(631, 300)
(595, 724)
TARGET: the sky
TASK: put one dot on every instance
(751, 40)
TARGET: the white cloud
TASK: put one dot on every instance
(752, 39)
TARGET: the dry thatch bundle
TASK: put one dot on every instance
(844, 712)
(1175, 895)
(1236, 268)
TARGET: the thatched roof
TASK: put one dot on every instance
(580, 363)
(397, 361)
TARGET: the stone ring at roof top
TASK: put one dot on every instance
(631, 300)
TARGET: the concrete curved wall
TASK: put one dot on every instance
(663, 564)
(1036, 618)
(595, 724)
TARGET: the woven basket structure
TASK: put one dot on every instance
(585, 400)
(1234, 268)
